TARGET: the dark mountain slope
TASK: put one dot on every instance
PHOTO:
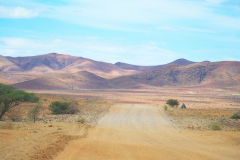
(217, 74)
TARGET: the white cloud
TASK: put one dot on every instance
(130, 15)
(184, 29)
(17, 12)
(134, 11)
(94, 48)
(135, 15)
(215, 1)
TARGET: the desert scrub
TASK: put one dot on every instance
(172, 102)
(215, 126)
(34, 112)
(81, 120)
(236, 115)
(58, 107)
(165, 107)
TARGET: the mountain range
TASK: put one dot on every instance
(64, 72)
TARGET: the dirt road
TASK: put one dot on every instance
(144, 132)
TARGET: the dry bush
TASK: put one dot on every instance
(81, 120)
(33, 112)
(73, 108)
(14, 116)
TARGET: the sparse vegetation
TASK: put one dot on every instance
(172, 102)
(14, 116)
(236, 115)
(202, 119)
(73, 108)
(58, 107)
(11, 97)
(34, 112)
(81, 120)
(215, 126)
(6, 125)
(165, 107)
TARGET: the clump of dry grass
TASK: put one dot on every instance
(215, 126)
(6, 125)
(81, 120)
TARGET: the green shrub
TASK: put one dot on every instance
(172, 102)
(165, 107)
(215, 126)
(58, 107)
(236, 115)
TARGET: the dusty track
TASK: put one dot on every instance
(144, 132)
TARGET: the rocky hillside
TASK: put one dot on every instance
(42, 65)
(211, 74)
(58, 71)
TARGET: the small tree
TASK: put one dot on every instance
(11, 97)
(59, 107)
(34, 112)
(172, 102)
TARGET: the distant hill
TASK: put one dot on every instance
(58, 71)
(65, 81)
(42, 65)
(52, 61)
(180, 62)
(211, 74)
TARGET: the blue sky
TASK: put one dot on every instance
(143, 32)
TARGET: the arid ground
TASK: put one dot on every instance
(144, 132)
(128, 124)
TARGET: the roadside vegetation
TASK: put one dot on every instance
(33, 112)
(11, 97)
(172, 102)
(202, 119)
(58, 107)
(236, 115)
(40, 121)
(215, 126)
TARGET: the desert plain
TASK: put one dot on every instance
(127, 124)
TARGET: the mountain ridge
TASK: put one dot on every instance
(59, 71)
